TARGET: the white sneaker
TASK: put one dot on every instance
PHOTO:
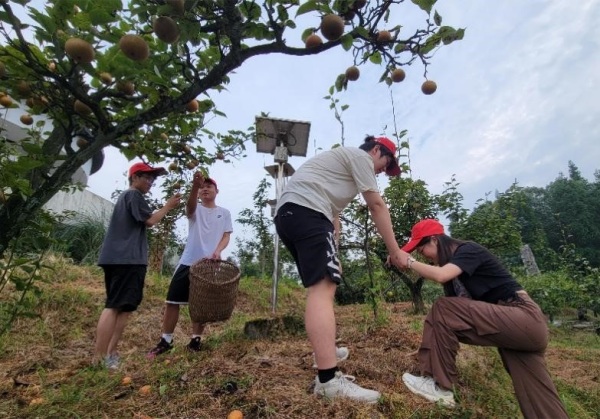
(426, 387)
(341, 354)
(112, 361)
(343, 386)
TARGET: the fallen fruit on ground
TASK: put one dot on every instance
(145, 390)
(235, 414)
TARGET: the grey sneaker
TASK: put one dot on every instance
(343, 386)
(112, 361)
(341, 354)
(426, 387)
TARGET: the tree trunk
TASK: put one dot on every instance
(156, 256)
(415, 294)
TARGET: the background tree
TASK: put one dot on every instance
(493, 224)
(255, 253)
(139, 77)
(574, 203)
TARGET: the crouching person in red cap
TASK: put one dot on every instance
(124, 258)
(485, 306)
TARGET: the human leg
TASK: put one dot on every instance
(534, 389)
(319, 319)
(177, 295)
(308, 235)
(124, 288)
(120, 323)
(104, 332)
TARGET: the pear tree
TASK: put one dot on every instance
(138, 75)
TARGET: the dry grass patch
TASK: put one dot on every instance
(45, 365)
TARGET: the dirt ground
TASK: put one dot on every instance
(45, 365)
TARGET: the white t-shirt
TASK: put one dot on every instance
(206, 229)
(328, 182)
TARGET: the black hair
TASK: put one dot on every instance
(446, 246)
(370, 143)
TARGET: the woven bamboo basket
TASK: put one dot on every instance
(213, 290)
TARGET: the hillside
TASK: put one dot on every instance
(45, 362)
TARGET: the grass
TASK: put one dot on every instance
(45, 361)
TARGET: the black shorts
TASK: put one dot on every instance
(179, 289)
(308, 235)
(124, 286)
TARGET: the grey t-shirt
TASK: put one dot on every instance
(329, 181)
(125, 242)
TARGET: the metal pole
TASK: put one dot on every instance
(278, 190)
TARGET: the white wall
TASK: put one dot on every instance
(83, 202)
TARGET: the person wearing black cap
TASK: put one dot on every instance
(124, 258)
(306, 221)
(485, 306)
(209, 231)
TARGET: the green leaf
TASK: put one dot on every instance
(309, 6)
(346, 41)
(362, 31)
(430, 44)
(307, 32)
(425, 4)
(250, 10)
(375, 58)
(437, 18)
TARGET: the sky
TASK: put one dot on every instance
(517, 99)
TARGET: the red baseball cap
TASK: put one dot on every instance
(393, 169)
(211, 180)
(145, 168)
(423, 228)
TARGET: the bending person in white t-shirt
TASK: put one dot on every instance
(209, 232)
(306, 219)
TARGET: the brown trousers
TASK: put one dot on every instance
(518, 329)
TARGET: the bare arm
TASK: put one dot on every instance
(192, 202)
(221, 246)
(336, 230)
(171, 203)
(383, 222)
(439, 274)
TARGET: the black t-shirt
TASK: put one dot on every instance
(483, 275)
(125, 242)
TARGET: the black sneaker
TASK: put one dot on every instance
(195, 344)
(162, 347)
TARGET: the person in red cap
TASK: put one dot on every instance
(307, 223)
(210, 229)
(124, 258)
(485, 306)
